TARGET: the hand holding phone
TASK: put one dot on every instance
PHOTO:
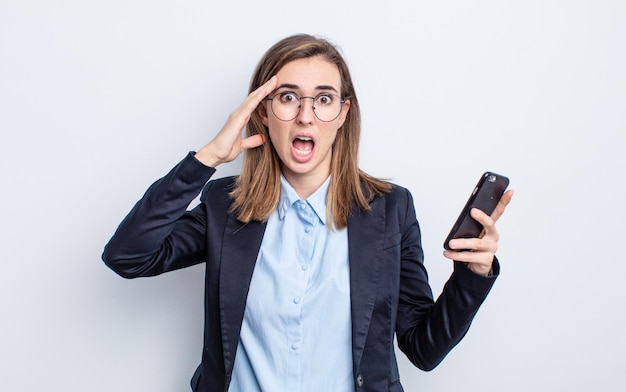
(485, 197)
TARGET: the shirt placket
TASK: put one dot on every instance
(305, 244)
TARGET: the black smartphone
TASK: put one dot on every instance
(485, 197)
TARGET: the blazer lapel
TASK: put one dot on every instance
(239, 254)
(366, 231)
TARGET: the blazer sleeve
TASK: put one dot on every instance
(427, 330)
(159, 234)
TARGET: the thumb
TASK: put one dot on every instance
(252, 141)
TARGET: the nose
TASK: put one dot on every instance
(307, 112)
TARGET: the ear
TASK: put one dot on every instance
(344, 112)
(262, 111)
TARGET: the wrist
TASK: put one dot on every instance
(480, 269)
(206, 157)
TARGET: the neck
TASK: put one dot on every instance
(305, 185)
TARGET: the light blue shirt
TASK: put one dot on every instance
(297, 331)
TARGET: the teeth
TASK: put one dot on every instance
(303, 145)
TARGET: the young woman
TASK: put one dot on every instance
(312, 266)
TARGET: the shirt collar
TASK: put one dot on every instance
(317, 200)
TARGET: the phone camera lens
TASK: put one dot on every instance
(491, 178)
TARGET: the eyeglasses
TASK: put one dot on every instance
(287, 105)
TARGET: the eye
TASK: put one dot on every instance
(288, 98)
(324, 99)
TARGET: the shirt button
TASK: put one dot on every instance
(359, 381)
(296, 300)
(295, 346)
(305, 267)
(302, 206)
(307, 229)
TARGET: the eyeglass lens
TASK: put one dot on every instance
(287, 105)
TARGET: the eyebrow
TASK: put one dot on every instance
(296, 87)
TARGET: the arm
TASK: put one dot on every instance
(158, 235)
(428, 330)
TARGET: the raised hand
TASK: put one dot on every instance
(229, 143)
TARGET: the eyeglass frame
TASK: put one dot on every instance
(341, 103)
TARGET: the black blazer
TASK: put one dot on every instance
(389, 286)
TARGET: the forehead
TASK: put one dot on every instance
(310, 73)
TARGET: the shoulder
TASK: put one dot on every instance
(218, 190)
(398, 191)
(396, 202)
(395, 208)
(400, 203)
(224, 183)
(397, 194)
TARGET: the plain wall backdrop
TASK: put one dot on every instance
(98, 99)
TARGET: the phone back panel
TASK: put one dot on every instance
(485, 197)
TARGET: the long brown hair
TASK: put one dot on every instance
(257, 189)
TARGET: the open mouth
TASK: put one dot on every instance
(303, 145)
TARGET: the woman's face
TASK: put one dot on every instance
(304, 144)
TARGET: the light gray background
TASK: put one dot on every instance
(100, 98)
